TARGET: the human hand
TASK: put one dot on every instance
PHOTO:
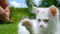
(7, 13)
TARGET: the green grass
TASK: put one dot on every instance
(8, 28)
(16, 14)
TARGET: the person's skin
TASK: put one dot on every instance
(4, 10)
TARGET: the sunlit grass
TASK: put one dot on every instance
(16, 14)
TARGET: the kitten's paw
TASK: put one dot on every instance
(26, 23)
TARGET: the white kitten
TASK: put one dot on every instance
(47, 20)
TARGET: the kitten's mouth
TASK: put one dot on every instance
(42, 27)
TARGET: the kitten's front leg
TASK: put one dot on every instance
(22, 27)
(27, 23)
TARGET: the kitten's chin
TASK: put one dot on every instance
(43, 31)
(43, 28)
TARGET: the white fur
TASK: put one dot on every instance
(50, 27)
(22, 29)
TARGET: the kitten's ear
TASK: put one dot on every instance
(35, 10)
(53, 10)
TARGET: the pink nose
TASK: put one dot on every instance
(41, 25)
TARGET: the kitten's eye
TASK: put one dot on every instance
(46, 20)
(39, 20)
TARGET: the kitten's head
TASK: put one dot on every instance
(43, 15)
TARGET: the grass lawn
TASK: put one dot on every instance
(16, 14)
(8, 28)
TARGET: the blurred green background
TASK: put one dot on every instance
(16, 14)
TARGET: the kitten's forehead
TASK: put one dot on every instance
(43, 10)
(43, 13)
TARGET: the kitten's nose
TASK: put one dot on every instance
(41, 25)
